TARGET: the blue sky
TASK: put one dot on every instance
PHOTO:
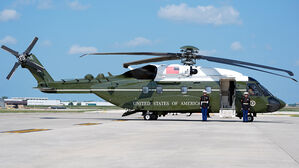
(264, 32)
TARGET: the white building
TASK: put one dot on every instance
(35, 101)
(43, 103)
(94, 103)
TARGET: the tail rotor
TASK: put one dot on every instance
(23, 59)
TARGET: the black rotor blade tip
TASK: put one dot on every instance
(13, 52)
(32, 44)
(13, 70)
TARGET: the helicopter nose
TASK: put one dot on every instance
(282, 104)
(275, 104)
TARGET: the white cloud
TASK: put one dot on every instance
(40, 4)
(76, 5)
(236, 46)
(76, 49)
(200, 14)
(8, 40)
(46, 43)
(138, 41)
(207, 52)
(8, 14)
(268, 47)
(45, 4)
(18, 3)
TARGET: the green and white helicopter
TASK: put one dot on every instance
(156, 90)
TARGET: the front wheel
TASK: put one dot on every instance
(250, 118)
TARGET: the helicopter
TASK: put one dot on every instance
(157, 90)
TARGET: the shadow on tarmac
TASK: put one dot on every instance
(169, 120)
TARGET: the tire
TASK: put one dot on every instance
(250, 118)
(154, 117)
(147, 117)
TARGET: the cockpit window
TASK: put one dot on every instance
(253, 90)
(146, 72)
(260, 87)
(264, 90)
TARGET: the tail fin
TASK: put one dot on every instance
(29, 61)
(42, 76)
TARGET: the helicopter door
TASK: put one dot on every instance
(227, 94)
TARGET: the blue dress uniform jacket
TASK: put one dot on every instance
(204, 101)
(245, 103)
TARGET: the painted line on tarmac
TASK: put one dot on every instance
(26, 131)
(120, 120)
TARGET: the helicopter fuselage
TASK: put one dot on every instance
(172, 89)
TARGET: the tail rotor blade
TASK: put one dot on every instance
(28, 50)
(34, 65)
(13, 52)
(13, 70)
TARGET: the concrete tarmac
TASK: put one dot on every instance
(76, 140)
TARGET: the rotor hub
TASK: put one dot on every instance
(188, 56)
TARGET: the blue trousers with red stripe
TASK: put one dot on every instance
(204, 112)
(245, 115)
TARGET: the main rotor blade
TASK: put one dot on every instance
(243, 66)
(34, 65)
(136, 53)
(13, 52)
(267, 72)
(157, 59)
(28, 50)
(13, 70)
(222, 60)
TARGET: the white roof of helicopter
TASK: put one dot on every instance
(177, 72)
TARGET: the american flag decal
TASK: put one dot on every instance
(172, 70)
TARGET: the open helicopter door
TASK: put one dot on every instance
(227, 97)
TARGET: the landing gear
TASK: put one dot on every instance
(150, 116)
(250, 118)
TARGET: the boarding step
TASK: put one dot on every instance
(227, 113)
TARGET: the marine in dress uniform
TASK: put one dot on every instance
(204, 104)
(245, 101)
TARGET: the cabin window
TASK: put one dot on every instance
(253, 90)
(209, 89)
(184, 90)
(145, 90)
(159, 89)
